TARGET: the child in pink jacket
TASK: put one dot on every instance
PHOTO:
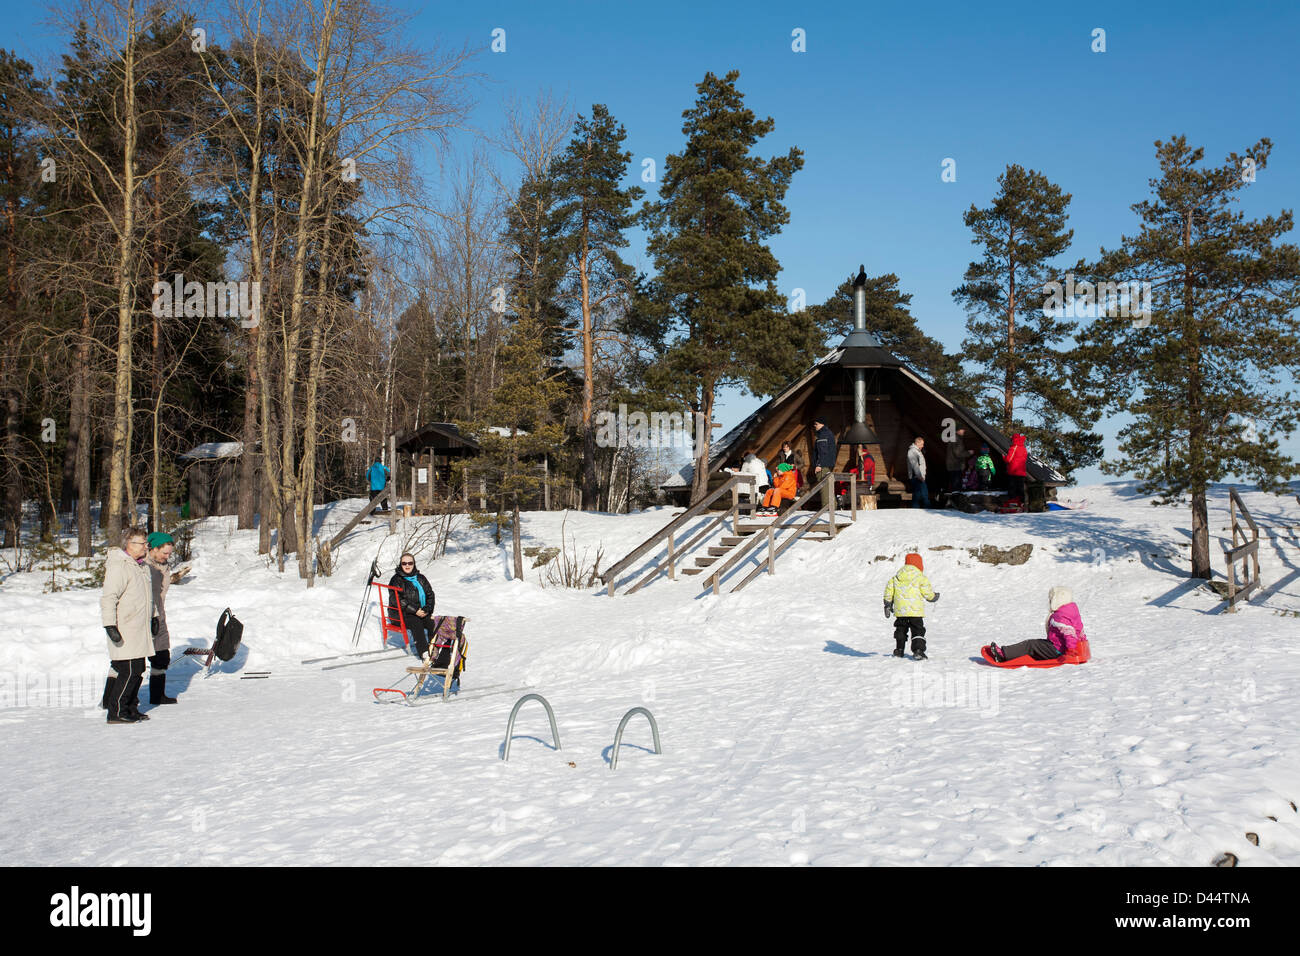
(1064, 631)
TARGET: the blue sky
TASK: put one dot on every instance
(885, 92)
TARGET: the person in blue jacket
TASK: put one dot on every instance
(377, 475)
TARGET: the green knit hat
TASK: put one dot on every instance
(159, 538)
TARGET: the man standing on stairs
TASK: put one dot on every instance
(916, 474)
(824, 450)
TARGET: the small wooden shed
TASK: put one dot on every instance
(212, 478)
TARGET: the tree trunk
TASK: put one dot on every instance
(518, 546)
(85, 436)
(590, 493)
(704, 432)
(1195, 422)
(1009, 383)
(118, 479)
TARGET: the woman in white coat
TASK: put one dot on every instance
(129, 620)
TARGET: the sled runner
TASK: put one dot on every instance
(1081, 654)
(448, 650)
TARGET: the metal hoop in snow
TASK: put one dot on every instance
(618, 734)
(510, 724)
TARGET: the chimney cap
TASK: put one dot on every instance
(861, 278)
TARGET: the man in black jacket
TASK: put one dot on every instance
(824, 450)
(416, 598)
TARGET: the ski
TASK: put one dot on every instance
(317, 660)
(401, 652)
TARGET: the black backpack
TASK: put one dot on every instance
(229, 632)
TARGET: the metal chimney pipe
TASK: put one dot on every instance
(860, 324)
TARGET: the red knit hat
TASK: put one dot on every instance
(915, 561)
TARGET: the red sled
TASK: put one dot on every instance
(1081, 654)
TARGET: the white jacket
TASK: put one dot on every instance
(915, 462)
(127, 602)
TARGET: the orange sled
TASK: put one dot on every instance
(1081, 654)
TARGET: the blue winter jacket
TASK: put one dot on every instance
(377, 475)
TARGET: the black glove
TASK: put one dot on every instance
(153, 626)
(889, 608)
(114, 634)
(935, 598)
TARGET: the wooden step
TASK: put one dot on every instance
(692, 570)
(731, 540)
(823, 527)
(704, 562)
(719, 552)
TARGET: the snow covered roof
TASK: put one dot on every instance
(216, 449)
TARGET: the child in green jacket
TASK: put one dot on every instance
(904, 596)
(984, 468)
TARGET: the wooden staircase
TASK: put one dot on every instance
(745, 537)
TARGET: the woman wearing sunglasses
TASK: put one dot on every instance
(416, 598)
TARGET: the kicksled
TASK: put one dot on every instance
(1080, 654)
(448, 650)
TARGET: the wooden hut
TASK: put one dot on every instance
(212, 478)
(899, 405)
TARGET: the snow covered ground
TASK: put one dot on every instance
(789, 733)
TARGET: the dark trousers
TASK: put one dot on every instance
(954, 480)
(419, 630)
(920, 493)
(1040, 649)
(1016, 486)
(917, 626)
(123, 686)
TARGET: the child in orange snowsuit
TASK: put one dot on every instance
(785, 484)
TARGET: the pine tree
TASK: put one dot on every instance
(719, 312)
(1201, 374)
(592, 214)
(1021, 345)
(518, 422)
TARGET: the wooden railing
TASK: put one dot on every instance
(827, 489)
(668, 531)
(1247, 552)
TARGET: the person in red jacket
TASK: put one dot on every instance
(1017, 467)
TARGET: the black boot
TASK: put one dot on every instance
(918, 648)
(158, 690)
(108, 685)
(899, 644)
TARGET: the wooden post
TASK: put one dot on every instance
(546, 483)
(672, 574)
(392, 483)
(853, 494)
(433, 478)
(771, 550)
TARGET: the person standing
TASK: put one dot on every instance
(415, 595)
(161, 546)
(904, 597)
(916, 473)
(377, 476)
(1017, 467)
(824, 450)
(955, 454)
(127, 613)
